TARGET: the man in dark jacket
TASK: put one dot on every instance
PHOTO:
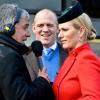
(15, 81)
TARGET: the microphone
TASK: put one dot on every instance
(37, 48)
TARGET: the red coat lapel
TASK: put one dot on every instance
(66, 68)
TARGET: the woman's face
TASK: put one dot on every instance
(69, 35)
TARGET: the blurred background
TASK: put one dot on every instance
(91, 7)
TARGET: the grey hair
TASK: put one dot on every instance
(8, 13)
(24, 14)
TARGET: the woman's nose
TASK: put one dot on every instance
(59, 35)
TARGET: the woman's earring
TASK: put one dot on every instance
(81, 39)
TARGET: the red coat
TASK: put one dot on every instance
(79, 76)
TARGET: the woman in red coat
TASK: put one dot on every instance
(79, 76)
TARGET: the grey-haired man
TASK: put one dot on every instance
(15, 81)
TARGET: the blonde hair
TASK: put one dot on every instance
(85, 21)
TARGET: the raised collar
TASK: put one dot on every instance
(10, 42)
(76, 51)
(53, 47)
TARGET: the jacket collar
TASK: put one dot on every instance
(76, 51)
(10, 42)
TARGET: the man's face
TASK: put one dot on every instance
(45, 29)
(21, 30)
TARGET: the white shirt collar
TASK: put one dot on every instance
(52, 47)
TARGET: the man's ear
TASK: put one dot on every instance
(57, 28)
(33, 28)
